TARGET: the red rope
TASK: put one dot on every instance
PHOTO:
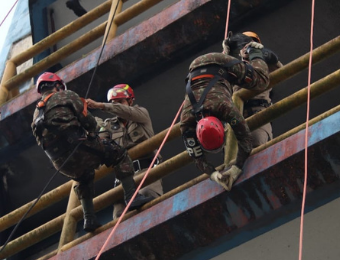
(9, 12)
(147, 172)
(227, 21)
(140, 185)
(306, 133)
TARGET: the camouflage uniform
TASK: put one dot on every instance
(258, 103)
(131, 126)
(218, 101)
(65, 123)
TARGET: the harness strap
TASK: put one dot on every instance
(41, 106)
(198, 106)
(85, 107)
(248, 76)
(215, 73)
(40, 118)
(42, 103)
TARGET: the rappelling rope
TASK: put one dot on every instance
(10, 10)
(140, 184)
(306, 133)
(154, 159)
(227, 21)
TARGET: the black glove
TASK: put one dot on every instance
(225, 46)
(236, 43)
(269, 56)
(91, 136)
(253, 50)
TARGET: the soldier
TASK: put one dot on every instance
(130, 126)
(66, 132)
(208, 102)
(263, 100)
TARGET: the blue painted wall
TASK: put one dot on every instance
(19, 28)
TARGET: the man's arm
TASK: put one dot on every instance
(131, 113)
(86, 119)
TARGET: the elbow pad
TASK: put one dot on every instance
(269, 56)
(248, 75)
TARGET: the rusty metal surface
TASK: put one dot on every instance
(270, 187)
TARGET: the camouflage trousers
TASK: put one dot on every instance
(79, 164)
(81, 161)
(219, 103)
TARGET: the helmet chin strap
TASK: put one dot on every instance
(58, 87)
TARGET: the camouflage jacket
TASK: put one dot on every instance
(63, 109)
(260, 75)
(265, 94)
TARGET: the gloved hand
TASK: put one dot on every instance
(270, 57)
(227, 177)
(252, 51)
(225, 46)
(92, 136)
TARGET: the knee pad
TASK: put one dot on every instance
(192, 144)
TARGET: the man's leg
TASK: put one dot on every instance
(118, 157)
(85, 192)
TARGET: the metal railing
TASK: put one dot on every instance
(74, 212)
(11, 81)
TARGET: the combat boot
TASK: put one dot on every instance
(129, 188)
(90, 220)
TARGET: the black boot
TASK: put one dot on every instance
(75, 6)
(90, 220)
(129, 188)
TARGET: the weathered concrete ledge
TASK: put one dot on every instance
(270, 187)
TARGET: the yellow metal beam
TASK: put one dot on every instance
(9, 72)
(111, 26)
(296, 66)
(70, 223)
(62, 33)
(293, 101)
(55, 57)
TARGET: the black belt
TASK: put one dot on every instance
(144, 164)
(257, 103)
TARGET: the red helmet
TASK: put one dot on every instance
(120, 91)
(210, 133)
(49, 77)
